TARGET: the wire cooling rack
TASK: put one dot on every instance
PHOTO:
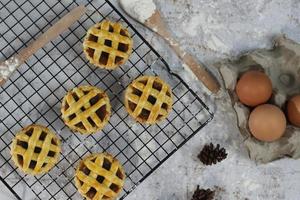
(34, 93)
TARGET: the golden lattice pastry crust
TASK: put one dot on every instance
(148, 99)
(107, 44)
(100, 176)
(35, 149)
(86, 109)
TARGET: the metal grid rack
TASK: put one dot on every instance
(33, 95)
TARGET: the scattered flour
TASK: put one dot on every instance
(8, 67)
(191, 26)
(251, 185)
(187, 68)
(217, 44)
(140, 10)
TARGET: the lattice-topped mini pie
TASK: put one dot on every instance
(35, 149)
(100, 176)
(148, 99)
(107, 44)
(86, 109)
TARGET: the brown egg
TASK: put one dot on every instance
(293, 110)
(254, 88)
(267, 122)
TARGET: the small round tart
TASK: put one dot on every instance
(86, 109)
(35, 149)
(100, 176)
(107, 45)
(148, 99)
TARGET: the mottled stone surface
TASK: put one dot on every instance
(213, 30)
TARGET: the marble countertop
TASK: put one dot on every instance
(214, 30)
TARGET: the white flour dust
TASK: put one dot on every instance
(140, 10)
(8, 67)
(191, 26)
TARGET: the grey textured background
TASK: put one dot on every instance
(213, 30)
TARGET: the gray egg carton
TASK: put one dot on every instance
(282, 65)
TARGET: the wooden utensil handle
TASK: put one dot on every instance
(198, 69)
(9, 66)
(156, 23)
(201, 73)
(2, 81)
(52, 32)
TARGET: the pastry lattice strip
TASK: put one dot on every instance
(83, 107)
(109, 41)
(35, 149)
(151, 99)
(100, 178)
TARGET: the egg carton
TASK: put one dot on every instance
(282, 65)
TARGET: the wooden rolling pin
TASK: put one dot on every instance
(156, 24)
(9, 66)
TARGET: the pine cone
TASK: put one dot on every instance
(202, 194)
(210, 155)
